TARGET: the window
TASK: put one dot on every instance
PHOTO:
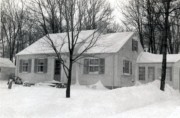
(127, 67)
(151, 73)
(141, 73)
(134, 45)
(25, 66)
(94, 66)
(40, 65)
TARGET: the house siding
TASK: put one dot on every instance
(32, 76)
(42, 77)
(106, 78)
(176, 74)
(113, 77)
(126, 53)
(156, 66)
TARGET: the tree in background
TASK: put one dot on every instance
(159, 26)
(147, 17)
(94, 11)
(13, 20)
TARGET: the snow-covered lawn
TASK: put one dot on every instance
(143, 101)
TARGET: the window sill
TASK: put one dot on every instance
(40, 72)
(25, 72)
(127, 74)
(93, 73)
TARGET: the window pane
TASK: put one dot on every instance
(95, 68)
(126, 66)
(94, 62)
(25, 66)
(134, 45)
(141, 73)
(40, 65)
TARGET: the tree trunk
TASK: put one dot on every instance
(163, 74)
(68, 89)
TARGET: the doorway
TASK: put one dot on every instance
(57, 70)
(151, 74)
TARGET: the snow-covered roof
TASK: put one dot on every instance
(146, 57)
(43, 45)
(4, 62)
(106, 43)
(109, 43)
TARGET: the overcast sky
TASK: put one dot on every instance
(117, 5)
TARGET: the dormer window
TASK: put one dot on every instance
(134, 45)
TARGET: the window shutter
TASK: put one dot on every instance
(131, 68)
(35, 65)
(86, 66)
(29, 65)
(101, 66)
(133, 45)
(123, 66)
(136, 45)
(20, 66)
(45, 65)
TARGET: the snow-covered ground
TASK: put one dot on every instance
(143, 101)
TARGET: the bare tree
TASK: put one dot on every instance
(168, 9)
(134, 17)
(47, 14)
(73, 15)
(13, 21)
(96, 10)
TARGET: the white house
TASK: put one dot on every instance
(112, 60)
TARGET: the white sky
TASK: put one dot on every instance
(117, 5)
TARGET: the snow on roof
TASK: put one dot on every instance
(4, 62)
(146, 57)
(43, 45)
(109, 43)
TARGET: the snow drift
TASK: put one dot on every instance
(143, 101)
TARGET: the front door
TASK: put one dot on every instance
(151, 74)
(57, 70)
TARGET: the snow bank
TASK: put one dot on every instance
(98, 85)
(143, 101)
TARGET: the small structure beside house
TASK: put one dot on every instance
(7, 68)
(112, 60)
(149, 68)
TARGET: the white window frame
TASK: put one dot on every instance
(92, 66)
(25, 65)
(129, 67)
(40, 65)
